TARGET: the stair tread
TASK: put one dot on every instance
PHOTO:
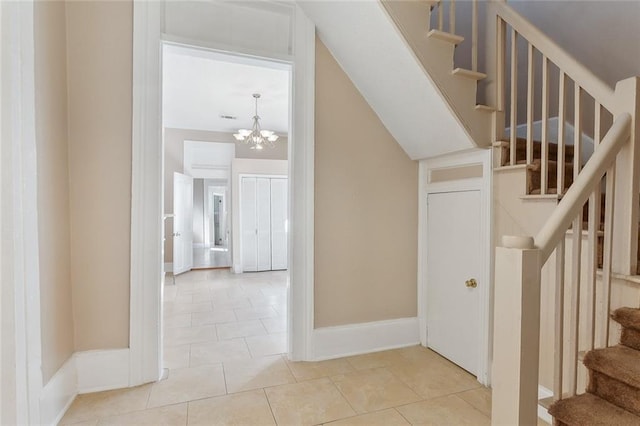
(618, 362)
(445, 36)
(480, 107)
(590, 410)
(550, 191)
(627, 317)
(475, 75)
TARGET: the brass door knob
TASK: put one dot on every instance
(471, 283)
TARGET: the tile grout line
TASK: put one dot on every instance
(264, 391)
(401, 415)
(468, 403)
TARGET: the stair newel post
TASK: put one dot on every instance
(516, 332)
(627, 184)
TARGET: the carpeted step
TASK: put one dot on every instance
(521, 151)
(631, 338)
(614, 375)
(627, 317)
(589, 410)
(535, 175)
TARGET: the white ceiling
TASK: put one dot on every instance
(199, 86)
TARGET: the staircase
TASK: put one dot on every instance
(564, 201)
(577, 198)
(613, 393)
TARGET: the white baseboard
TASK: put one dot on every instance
(58, 394)
(542, 412)
(102, 370)
(168, 267)
(354, 339)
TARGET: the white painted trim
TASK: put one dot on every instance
(168, 266)
(422, 253)
(354, 339)
(145, 329)
(102, 370)
(542, 412)
(59, 393)
(83, 372)
(224, 48)
(301, 189)
(485, 186)
(21, 384)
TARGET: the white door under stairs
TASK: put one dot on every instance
(453, 260)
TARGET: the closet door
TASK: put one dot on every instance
(248, 215)
(263, 223)
(278, 224)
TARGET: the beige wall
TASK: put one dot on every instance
(53, 186)
(174, 162)
(99, 66)
(366, 208)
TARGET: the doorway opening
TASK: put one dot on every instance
(216, 307)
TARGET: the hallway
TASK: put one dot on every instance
(225, 339)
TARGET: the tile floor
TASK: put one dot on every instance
(225, 336)
(208, 258)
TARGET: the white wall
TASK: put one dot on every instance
(242, 166)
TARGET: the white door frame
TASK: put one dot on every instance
(484, 185)
(147, 198)
(20, 331)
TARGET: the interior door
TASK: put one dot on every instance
(248, 216)
(263, 222)
(278, 224)
(182, 223)
(453, 300)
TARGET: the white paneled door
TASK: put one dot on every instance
(453, 271)
(263, 222)
(263, 216)
(249, 221)
(279, 224)
(182, 223)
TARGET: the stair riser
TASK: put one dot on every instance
(630, 338)
(614, 391)
(535, 179)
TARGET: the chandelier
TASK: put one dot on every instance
(256, 137)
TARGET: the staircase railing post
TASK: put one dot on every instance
(516, 333)
(627, 183)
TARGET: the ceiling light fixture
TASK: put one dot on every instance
(256, 137)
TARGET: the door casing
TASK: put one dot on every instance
(484, 185)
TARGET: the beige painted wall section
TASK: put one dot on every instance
(53, 186)
(99, 67)
(366, 208)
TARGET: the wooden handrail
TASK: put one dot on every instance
(571, 204)
(600, 91)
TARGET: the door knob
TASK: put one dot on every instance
(471, 283)
(176, 234)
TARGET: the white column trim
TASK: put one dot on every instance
(301, 190)
(21, 360)
(145, 331)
